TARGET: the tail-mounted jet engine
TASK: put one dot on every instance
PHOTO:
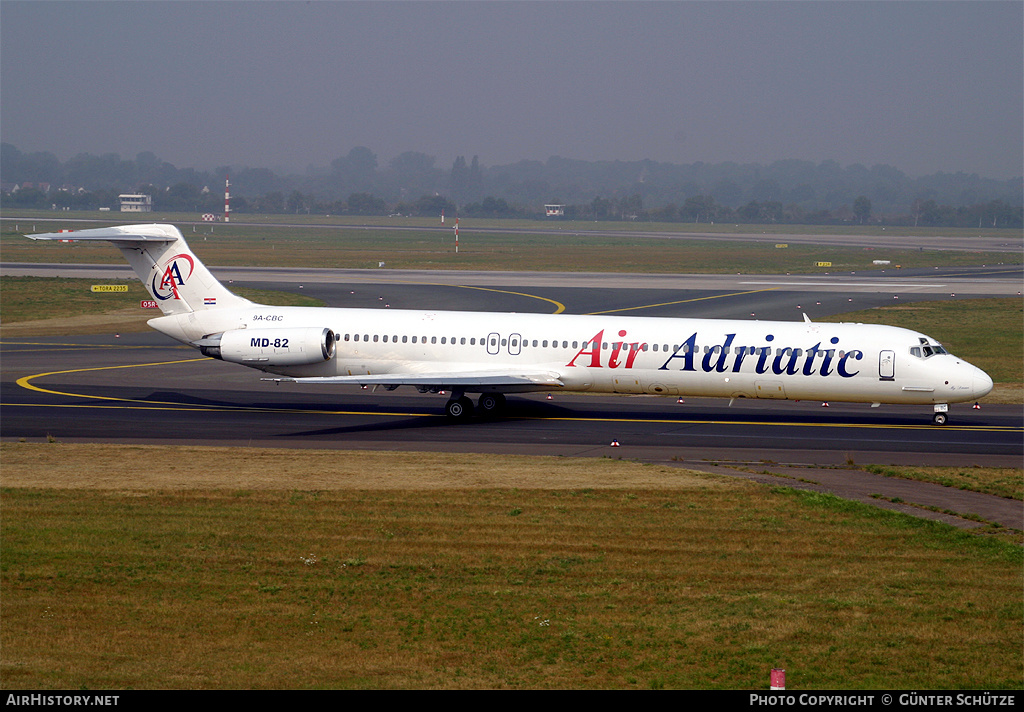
(271, 347)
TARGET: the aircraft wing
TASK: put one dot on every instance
(472, 381)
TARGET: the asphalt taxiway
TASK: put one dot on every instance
(145, 388)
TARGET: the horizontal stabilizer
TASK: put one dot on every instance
(121, 233)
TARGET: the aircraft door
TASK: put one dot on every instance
(515, 344)
(493, 343)
(887, 365)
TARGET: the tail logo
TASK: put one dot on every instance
(172, 277)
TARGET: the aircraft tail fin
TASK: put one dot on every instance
(161, 258)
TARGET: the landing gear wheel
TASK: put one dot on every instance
(459, 408)
(491, 404)
(939, 419)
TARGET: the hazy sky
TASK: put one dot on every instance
(922, 86)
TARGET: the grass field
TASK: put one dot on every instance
(34, 298)
(66, 306)
(297, 572)
(998, 482)
(403, 248)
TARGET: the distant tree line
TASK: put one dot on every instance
(704, 209)
(783, 192)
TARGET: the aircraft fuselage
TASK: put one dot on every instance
(661, 356)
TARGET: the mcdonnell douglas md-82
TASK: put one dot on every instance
(492, 354)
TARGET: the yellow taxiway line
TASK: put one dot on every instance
(26, 382)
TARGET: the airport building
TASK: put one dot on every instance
(132, 203)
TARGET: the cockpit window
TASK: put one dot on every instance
(926, 349)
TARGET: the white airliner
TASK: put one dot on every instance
(491, 354)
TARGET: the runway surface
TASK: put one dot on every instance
(145, 388)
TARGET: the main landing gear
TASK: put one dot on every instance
(459, 407)
(491, 404)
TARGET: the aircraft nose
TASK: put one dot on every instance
(982, 383)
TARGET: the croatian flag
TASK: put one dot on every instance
(210, 301)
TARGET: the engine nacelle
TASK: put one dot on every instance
(271, 347)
